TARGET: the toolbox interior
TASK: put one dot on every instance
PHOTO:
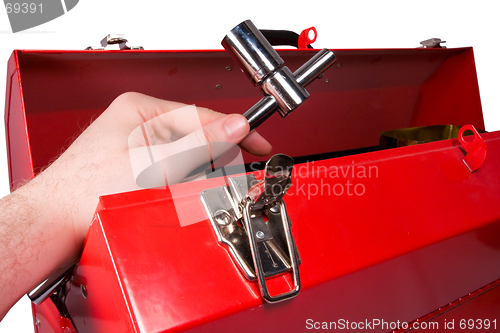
(365, 93)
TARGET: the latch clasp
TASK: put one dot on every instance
(112, 39)
(250, 218)
(432, 43)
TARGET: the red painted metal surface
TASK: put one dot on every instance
(372, 91)
(47, 319)
(16, 129)
(416, 232)
(425, 220)
(451, 91)
(476, 311)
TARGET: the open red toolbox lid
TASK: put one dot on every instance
(53, 95)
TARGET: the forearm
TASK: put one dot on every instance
(35, 240)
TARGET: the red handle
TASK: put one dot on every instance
(475, 149)
(305, 39)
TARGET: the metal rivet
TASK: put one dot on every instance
(321, 75)
(218, 86)
(275, 209)
(260, 234)
(222, 217)
(228, 68)
(339, 65)
(37, 323)
(327, 80)
(83, 289)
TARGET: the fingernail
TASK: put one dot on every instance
(236, 127)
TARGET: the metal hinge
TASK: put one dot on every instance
(432, 43)
(113, 39)
(55, 287)
(250, 218)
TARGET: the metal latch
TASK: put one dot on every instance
(432, 43)
(113, 39)
(250, 218)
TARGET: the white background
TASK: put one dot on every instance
(202, 24)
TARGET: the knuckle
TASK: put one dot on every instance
(208, 115)
(128, 97)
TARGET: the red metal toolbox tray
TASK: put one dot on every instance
(423, 232)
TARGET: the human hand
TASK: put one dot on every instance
(57, 206)
(102, 160)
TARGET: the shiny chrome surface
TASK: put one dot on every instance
(223, 206)
(112, 39)
(284, 91)
(258, 256)
(218, 202)
(310, 70)
(247, 217)
(51, 284)
(277, 180)
(252, 51)
(262, 110)
(433, 43)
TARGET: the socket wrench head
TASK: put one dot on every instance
(285, 89)
(251, 51)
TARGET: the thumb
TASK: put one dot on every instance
(230, 129)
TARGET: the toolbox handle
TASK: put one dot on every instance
(290, 38)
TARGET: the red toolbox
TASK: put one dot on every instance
(385, 237)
